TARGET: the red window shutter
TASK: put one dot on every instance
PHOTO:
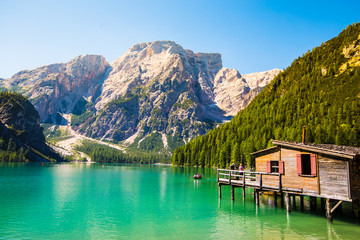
(298, 163)
(313, 164)
(268, 167)
(281, 167)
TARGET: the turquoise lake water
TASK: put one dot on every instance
(80, 201)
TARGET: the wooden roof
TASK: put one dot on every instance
(265, 151)
(328, 149)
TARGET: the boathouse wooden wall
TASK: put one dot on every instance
(291, 179)
(334, 177)
(332, 180)
(261, 166)
(354, 169)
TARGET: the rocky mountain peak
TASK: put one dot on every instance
(87, 61)
(160, 61)
(228, 75)
(261, 79)
(153, 87)
(54, 89)
(157, 46)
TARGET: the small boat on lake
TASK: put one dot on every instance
(198, 176)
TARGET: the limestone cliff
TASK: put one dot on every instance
(154, 87)
(260, 79)
(56, 88)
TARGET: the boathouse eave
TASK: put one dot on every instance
(301, 146)
(265, 151)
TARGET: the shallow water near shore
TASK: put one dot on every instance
(92, 201)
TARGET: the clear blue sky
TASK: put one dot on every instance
(251, 35)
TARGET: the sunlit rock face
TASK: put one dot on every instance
(56, 88)
(153, 87)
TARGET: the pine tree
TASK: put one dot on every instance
(11, 145)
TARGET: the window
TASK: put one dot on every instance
(306, 164)
(275, 167)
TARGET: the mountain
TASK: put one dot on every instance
(55, 89)
(21, 137)
(260, 79)
(155, 92)
(321, 90)
(234, 92)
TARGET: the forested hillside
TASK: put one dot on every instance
(21, 137)
(105, 154)
(321, 90)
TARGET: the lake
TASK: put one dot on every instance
(94, 201)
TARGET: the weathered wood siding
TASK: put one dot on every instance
(354, 166)
(261, 167)
(291, 179)
(333, 177)
(260, 162)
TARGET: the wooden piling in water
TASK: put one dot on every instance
(328, 210)
(232, 193)
(313, 203)
(256, 195)
(294, 201)
(219, 190)
(301, 202)
(355, 206)
(322, 203)
(287, 201)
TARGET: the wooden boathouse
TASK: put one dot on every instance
(329, 172)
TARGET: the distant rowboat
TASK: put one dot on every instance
(198, 176)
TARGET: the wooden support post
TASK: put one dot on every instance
(337, 206)
(232, 193)
(275, 198)
(322, 201)
(282, 199)
(313, 203)
(260, 184)
(229, 177)
(244, 192)
(256, 195)
(301, 202)
(280, 184)
(355, 206)
(294, 201)
(219, 190)
(328, 210)
(287, 201)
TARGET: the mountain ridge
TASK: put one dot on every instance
(153, 87)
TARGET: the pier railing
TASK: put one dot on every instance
(250, 179)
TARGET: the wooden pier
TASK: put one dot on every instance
(272, 182)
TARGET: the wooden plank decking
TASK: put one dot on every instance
(260, 181)
(263, 182)
(248, 179)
